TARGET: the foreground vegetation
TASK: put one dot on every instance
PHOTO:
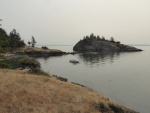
(22, 62)
(21, 92)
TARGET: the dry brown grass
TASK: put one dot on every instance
(21, 92)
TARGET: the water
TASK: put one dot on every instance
(123, 77)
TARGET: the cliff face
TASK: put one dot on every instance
(96, 45)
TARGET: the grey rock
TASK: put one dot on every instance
(94, 45)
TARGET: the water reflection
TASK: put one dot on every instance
(98, 57)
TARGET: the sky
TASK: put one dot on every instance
(65, 22)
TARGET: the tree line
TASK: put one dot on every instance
(92, 36)
(13, 40)
(98, 38)
(10, 41)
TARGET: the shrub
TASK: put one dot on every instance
(112, 39)
(30, 63)
(4, 63)
(102, 107)
(46, 48)
(116, 108)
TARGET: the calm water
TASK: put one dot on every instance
(123, 77)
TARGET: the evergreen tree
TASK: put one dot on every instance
(33, 42)
(29, 43)
(4, 39)
(11, 41)
(87, 37)
(15, 39)
(92, 36)
(103, 38)
(98, 37)
(112, 39)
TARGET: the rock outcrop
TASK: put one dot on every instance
(39, 52)
(99, 45)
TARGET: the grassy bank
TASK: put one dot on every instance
(21, 92)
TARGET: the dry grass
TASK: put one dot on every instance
(21, 92)
(29, 48)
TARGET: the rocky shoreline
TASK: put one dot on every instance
(11, 60)
(40, 52)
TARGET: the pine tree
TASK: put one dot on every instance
(15, 39)
(112, 39)
(29, 43)
(33, 42)
(103, 38)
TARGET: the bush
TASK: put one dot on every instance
(46, 48)
(102, 107)
(116, 108)
(30, 63)
(4, 63)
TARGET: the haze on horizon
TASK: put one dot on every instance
(65, 22)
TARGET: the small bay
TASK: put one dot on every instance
(123, 77)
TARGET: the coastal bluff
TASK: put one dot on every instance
(97, 44)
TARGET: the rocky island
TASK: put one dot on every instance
(96, 44)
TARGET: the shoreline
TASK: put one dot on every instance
(98, 106)
(23, 85)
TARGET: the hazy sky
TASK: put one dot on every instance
(67, 21)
